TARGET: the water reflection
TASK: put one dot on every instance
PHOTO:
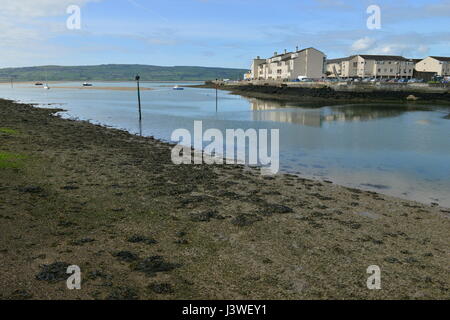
(317, 117)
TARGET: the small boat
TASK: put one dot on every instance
(178, 88)
(38, 84)
(46, 87)
(87, 84)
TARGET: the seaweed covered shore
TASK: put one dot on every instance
(140, 227)
(329, 96)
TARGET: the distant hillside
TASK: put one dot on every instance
(119, 72)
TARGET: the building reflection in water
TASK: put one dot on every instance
(279, 112)
(272, 111)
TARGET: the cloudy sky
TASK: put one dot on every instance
(227, 33)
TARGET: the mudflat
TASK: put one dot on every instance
(140, 227)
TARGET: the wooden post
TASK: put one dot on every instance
(139, 97)
(217, 97)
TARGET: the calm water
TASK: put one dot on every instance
(388, 149)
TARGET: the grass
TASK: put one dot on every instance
(8, 131)
(11, 160)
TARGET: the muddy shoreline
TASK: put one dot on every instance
(140, 227)
(328, 96)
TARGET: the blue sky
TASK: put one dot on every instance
(225, 33)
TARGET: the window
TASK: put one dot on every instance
(391, 70)
(379, 70)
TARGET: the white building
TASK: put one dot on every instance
(309, 63)
(439, 65)
(371, 66)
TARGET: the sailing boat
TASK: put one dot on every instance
(46, 86)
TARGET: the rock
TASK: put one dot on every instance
(66, 224)
(126, 256)
(412, 97)
(82, 241)
(141, 239)
(53, 272)
(31, 189)
(123, 293)
(392, 260)
(244, 220)
(161, 288)
(152, 265)
(205, 216)
(99, 274)
(21, 295)
(70, 188)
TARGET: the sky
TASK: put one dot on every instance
(214, 33)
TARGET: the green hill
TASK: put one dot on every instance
(119, 72)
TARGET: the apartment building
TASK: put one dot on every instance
(438, 65)
(371, 66)
(309, 63)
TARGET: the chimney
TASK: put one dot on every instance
(258, 57)
(275, 53)
(285, 51)
(296, 49)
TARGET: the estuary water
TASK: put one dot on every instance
(404, 152)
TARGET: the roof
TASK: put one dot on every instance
(441, 58)
(336, 60)
(381, 57)
(370, 57)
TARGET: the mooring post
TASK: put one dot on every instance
(139, 97)
(217, 96)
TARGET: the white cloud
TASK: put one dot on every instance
(363, 44)
(25, 33)
(41, 8)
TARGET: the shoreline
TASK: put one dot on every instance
(328, 96)
(83, 194)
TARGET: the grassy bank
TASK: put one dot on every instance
(140, 227)
(329, 96)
